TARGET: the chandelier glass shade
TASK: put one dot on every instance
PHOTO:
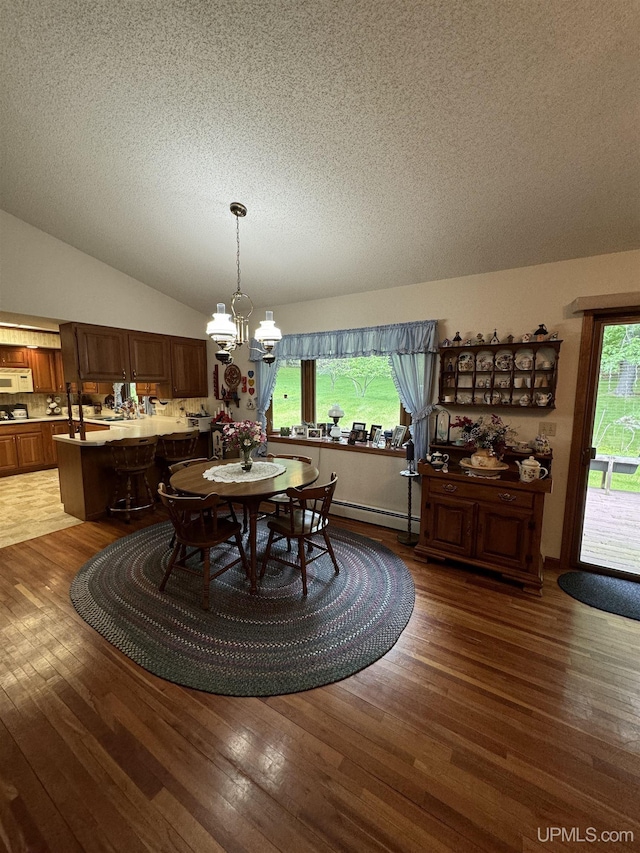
(229, 331)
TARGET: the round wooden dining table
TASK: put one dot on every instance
(190, 481)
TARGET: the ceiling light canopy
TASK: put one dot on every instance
(230, 332)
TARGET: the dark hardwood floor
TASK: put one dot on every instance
(496, 722)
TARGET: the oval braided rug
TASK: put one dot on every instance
(247, 645)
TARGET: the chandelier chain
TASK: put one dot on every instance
(238, 250)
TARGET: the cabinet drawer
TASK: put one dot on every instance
(499, 494)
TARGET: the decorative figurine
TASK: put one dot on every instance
(541, 332)
(479, 339)
(457, 340)
(509, 339)
(468, 342)
(526, 338)
(446, 343)
(495, 339)
(553, 336)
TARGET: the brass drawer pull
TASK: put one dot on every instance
(450, 487)
(505, 496)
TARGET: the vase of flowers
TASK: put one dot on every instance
(244, 436)
(487, 437)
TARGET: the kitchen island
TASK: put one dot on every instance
(85, 466)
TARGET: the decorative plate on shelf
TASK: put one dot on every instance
(465, 361)
(524, 359)
(486, 473)
(504, 361)
(484, 361)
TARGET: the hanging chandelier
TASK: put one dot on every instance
(230, 332)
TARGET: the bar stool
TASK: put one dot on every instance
(132, 458)
(175, 447)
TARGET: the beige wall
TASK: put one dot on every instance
(44, 277)
(511, 301)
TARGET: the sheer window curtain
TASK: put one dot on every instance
(410, 346)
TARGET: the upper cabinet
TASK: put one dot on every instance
(523, 374)
(178, 366)
(103, 354)
(14, 356)
(189, 366)
(43, 363)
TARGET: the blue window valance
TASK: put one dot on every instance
(399, 338)
(410, 347)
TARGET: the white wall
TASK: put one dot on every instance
(44, 277)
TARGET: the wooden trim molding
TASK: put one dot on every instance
(605, 302)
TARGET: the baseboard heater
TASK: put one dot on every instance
(375, 511)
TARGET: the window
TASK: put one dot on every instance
(364, 387)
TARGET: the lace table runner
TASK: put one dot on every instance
(233, 472)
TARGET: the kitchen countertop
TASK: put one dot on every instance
(15, 421)
(113, 430)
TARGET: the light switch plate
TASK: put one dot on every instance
(547, 428)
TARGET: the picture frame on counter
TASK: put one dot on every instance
(372, 432)
(314, 432)
(398, 435)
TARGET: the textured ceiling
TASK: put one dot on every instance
(375, 143)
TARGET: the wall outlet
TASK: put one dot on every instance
(547, 428)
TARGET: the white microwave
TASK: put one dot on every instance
(16, 380)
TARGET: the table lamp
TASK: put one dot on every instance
(336, 413)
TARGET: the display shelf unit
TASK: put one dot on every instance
(522, 375)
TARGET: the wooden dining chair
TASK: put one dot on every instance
(198, 529)
(281, 500)
(306, 521)
(173, 448)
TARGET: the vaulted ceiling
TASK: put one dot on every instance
(375, 143)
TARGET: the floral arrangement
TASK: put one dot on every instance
(245, 435)
(489, 432)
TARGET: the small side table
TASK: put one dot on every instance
(409, 538)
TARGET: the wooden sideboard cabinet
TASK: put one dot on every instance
(491, 524)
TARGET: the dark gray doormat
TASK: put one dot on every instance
(614, 595)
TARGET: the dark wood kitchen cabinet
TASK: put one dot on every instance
(177, 367)
(22, 448)
(491, 524)
(189, 366)
(104, 354)
(43, 363)
(14, 356)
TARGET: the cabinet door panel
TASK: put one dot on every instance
(30, 449)
(103, 353)
(8, 453)
(451, 526)
(150, 357)
(43, 365)
(14, 356)
(503, 537)
(189, 366)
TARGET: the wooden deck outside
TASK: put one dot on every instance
(611, 536)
